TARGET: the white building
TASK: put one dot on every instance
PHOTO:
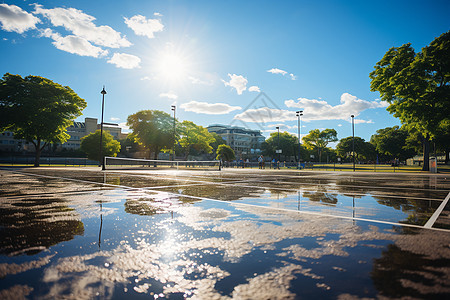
(244, 142)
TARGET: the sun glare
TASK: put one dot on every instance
(172, 67)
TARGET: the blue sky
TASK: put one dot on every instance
(213, 58)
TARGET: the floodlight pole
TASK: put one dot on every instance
(299, 114)
(353, 141)
(102, 163)
(279, 155)
(174, 132)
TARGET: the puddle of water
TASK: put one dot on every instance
(120, 243)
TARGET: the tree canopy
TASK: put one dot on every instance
(318, 140)
(152, 129)
(37, 110)
(287, 145)
(391, 142)
(90, 144)
(417, 87)
(363, 150)
(194, 136)
(225, 153)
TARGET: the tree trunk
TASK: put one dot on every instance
(188, 149)
(447, 156)
(38, 153)
(426, 154)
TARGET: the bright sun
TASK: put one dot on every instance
(172, 66)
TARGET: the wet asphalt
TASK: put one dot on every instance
(234, 234)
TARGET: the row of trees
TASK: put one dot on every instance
(387, 144)
(155, 131)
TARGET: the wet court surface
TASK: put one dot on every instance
(83, 234)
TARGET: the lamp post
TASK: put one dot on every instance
(353, 141)
(102, 163)
(299, 114)
(174, 132)
(278, 147)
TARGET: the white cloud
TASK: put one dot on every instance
(209, 108)
(125, 61)
(277, 71)
(157, 14)
(282, 72)
(81, 25)
(15, 19)
(359, 121)
(170, 95)
(238, 82)
(266, 114)
(74, 44)
(143, 26)
(195, 80)
(320, 110)
(115, 119)
(254, 88)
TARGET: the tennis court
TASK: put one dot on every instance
(83, 233)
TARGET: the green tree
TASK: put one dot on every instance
(90, 145)
(196, 137)
(417, 87)
(318, 140)
(218, 140)
(363, 150)
(37, 110)
(152, 129)
(225, 153)
(392, 142)
(288, 145)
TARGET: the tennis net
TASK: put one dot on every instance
(120, 163)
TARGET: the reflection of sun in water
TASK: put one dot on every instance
(172, 66)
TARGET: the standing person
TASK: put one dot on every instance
(260, 161)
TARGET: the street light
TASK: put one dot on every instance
(102, 163)
(353, 141)
(278, 150)
(174, 132)
(299, 114)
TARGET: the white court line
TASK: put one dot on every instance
(266, 181)
(227, 183)
(308, 212)
(436, 214)
(198, 182)
(246, 204)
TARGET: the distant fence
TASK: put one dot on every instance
(47, 161)
(332, 166)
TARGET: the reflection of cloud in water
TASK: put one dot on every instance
(16, 292)
(271, 285)
(151, 267)
(11, 269)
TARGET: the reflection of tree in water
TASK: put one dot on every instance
(219, 192)
(321, 195)
(147, 206)
(419, 210)
(31, 225)
(399, 274)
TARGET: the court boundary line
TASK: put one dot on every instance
(243, 204)
(227, 183)
(437, 213)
